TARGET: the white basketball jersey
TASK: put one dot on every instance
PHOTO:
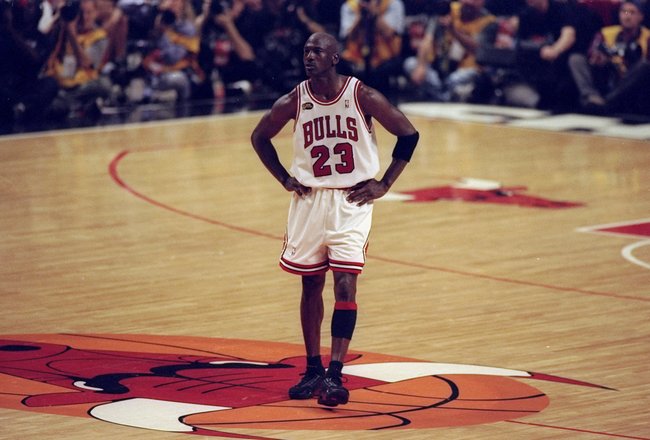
(334, 146)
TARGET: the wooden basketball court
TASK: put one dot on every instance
(175, 227)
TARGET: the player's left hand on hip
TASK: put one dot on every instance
(365, 192)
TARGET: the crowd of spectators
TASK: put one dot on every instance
(75, 58)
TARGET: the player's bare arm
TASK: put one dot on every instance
(283, 110)
(375, 105)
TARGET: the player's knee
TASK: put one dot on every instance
(345, 286)
(312, 285)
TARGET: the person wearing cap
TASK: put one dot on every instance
(616, 67)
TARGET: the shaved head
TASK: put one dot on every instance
(321, 55)
(324, 40)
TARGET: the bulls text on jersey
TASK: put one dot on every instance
(323, 127)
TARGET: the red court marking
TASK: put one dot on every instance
(113, 171)
(633, 228)
(501, 196)
(115, 176)
(586, 431)
(637, 229)
(510, 280)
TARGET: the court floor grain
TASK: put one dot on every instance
(174, 228)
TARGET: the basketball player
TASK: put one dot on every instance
(332, 178)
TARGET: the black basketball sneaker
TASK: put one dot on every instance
(333, 392)
(309, 385)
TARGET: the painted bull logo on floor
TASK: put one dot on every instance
(202, 386)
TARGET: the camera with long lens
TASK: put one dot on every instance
(167, 17)
(630, 53)
(610, 51)
(633, 53)
(70, 10)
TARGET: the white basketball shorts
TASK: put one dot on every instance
(325, 231)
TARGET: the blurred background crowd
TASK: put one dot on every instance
(77, 62)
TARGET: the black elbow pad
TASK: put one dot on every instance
(405, 146)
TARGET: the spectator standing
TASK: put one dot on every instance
(615, 74)
(445, 67)
(372, 34)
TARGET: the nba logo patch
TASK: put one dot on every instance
(347, 103)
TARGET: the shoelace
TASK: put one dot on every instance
(338, 380)
(310, 374)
